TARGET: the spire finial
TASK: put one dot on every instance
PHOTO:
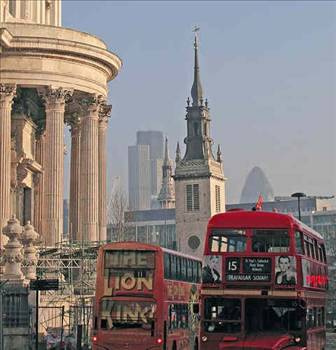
(219, 154)
(166, 156)
(196, 90)
(178, 153)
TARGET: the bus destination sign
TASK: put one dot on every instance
(252, 269)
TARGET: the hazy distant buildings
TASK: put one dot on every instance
(157, 225)
(139, 184)
(256, 184)
(145, 161)
(154, 139)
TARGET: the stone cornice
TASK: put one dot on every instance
(198, 168)
(190, 176)
(31, 37)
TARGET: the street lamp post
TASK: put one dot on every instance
(298, 195)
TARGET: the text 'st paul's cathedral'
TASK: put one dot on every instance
(199, 176)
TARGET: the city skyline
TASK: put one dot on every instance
(270, 83)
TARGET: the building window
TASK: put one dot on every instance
(196, 196)
(218, 199)
(194, 242)
(192, 194)
(189, 198)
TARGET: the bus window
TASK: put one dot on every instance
(195, 272)
(178, 268)
(310, 318)
(315, 250)
(173, 266)
(298, 242)
(324, 253)
(264, 240)
(269, 315)
(311, 247)
(222, 315)
(228, 241)
(183, 269)
(306, 245)
(190, 270)
(177, 316)
(319, 317)
(199, 274)
(167, 273)
(121, 314)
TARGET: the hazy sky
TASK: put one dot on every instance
(268, 70)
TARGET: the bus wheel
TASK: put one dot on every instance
(196, 344)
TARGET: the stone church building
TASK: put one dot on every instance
(199, 177)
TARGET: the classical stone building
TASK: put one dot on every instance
(199, 177)
(50, 77)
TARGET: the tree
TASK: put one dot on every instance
(117, 206)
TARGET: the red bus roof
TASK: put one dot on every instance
(256, 219)
(132, 245)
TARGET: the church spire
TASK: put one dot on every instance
(196, 90)
(178, 153)
(167, 193)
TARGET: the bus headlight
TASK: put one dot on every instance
(297, 339)
(204, 338)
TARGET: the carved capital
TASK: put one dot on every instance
(7, 93)
(93, 103)
(104, 113)
(55, 96)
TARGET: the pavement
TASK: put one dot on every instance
(331, 341)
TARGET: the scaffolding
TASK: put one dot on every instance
(71, 307)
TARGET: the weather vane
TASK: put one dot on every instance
(196, 29)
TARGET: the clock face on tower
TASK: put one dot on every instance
(194, 242)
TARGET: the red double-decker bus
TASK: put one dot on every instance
(145, 298)
(264, 281)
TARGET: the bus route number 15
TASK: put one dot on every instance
(233, 265)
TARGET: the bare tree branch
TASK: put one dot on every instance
(115, 213)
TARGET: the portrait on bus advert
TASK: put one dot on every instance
(212, 269)
(285, 270)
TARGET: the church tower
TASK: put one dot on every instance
(199, 177)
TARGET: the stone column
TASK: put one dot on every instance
(74, 212)
(29, 237)
(38, 183)
(7, 93)
(89, 169)
(52, 215)
(12, 256)
(104, 114)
